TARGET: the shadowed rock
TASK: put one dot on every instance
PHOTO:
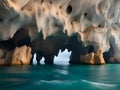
(49, 47)
(109, 55)
(77, 49)
(21, 37)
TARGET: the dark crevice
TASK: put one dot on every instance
(50, 2)
(85, 14)
(42, 1)
(69, 9)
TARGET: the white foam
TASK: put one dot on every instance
(100, 84)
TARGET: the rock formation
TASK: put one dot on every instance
(96, 23)
(21, 55)
(18, 56)
(21, 37)
(93, 58)
(77, 48)
(49, 47)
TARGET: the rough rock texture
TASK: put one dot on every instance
(97, 22)
(18, 56)
(93, 58)
(21, 55)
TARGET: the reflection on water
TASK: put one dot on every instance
(60, 76)
(57, 77)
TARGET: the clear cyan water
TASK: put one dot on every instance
(60, 77)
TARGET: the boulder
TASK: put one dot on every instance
(93, 58)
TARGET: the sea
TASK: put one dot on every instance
(60, 76)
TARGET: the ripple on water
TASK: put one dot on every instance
(55, 82)
(101, 85)
(64, 72)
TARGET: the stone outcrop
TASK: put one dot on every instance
(93, 58)
(18, 56)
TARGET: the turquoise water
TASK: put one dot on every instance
(60, 77)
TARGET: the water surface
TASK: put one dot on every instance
(60, 77)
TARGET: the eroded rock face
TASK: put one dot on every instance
(93, 58)
(21, 55)
(96, 22)
(18, 56)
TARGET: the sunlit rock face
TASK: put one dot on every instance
(96, 22)
(93, 58)
(18, 56)
(21, 55)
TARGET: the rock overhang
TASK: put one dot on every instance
(94, 21)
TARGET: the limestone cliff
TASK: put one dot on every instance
(96, 22)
